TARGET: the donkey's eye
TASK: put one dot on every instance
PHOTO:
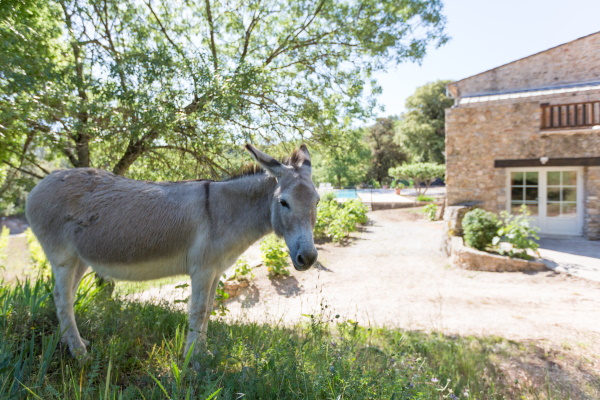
(284, 203)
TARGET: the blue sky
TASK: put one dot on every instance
(486, 34)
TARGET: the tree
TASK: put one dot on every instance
(421, 174)
(106, 83)
(343, 160)
(421, 130)
(385, 152)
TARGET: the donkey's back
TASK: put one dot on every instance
(107, 219)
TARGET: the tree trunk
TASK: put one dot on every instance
(134, 150)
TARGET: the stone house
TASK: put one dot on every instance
(528, 132)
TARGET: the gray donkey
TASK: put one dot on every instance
(136, 230)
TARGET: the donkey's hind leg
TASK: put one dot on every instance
(66, 279)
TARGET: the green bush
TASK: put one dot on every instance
(335, 220)
(480, 228)
(422, 197)
(242, 271)
(275, 256)
(515, 231)
(430, 211)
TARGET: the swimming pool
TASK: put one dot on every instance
(346, 194)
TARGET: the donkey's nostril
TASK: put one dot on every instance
(300, 260)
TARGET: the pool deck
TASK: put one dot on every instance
(387, 198)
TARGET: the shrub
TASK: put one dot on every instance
(480, 228)
(275, 256)
(242, 270)
(515, 231)
(430, 211)
(336, 220)
(220, 297)
(422, 197)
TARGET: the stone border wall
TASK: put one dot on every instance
(465, 257)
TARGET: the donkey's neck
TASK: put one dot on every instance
(240, 211)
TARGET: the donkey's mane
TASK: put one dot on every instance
(251, 169)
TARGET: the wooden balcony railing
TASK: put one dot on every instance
(570, 116)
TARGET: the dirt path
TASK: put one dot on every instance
(394, 274)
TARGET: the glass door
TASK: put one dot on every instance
(552, 196)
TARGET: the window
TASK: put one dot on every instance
(562, 194)
(524, 189)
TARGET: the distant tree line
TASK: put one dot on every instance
(368, 155)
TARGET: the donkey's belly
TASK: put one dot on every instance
(141, 271)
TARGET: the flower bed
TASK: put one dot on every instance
(465, 257)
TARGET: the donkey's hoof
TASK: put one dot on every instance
(79, 353)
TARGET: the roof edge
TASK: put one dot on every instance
(523, 58)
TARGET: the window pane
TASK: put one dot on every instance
(553, 194)
(569, 194)
(531, 178)
(569, 178)
(531, 193)
(554, 178)
(516, 194)
(553, 209)
(533, 209)
(569, 210)
(517, 178)
(515, 208)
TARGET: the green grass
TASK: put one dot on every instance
(136, 352)
(422, 197)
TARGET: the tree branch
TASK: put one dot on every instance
(22, 170)
(213, 47)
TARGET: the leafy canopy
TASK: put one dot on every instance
(421, 129)
(174, 86)
(385, 152)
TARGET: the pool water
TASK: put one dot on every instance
(346, 194)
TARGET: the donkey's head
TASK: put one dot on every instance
(294, 206)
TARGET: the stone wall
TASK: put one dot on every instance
(462, 256)
(478, 135)
(571, 63)
(592, 203)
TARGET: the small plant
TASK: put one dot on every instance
(242, 271)
(515, 231)
(275, 256)
(336, 220)
(397, 184)
(424, 198)
(220, 297)
(430, 211)
(480, 228)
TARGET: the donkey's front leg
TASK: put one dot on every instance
(204, 286)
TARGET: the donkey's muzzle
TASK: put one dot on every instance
(303, 260)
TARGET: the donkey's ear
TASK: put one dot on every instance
(269, 164)
(301, 158)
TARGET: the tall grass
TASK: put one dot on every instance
(136, 352)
